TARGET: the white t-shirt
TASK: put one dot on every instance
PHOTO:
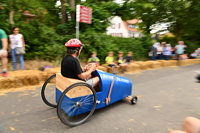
(16, 41)
(159, 49)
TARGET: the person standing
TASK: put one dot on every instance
(16, 40)
(4, 52)
(198, 52)
(160, 51)
(179, 51)
(154, 50)
(167, 51)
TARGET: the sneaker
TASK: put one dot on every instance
(4, 74)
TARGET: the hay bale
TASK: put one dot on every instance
(43, 76)
(6, 83)
(154, 64)
(21, 78)
(191, 61)
(143, 65)
(108, 69)
(102, 68)
(186, 62)
(173, 62)
(133, 67)
(52, 71)
(164, 63)
(198, 60)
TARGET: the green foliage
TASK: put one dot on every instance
(45, 35)
(42, 40)
(102, 44)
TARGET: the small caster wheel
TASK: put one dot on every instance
(134, 100)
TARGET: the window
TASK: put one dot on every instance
(113, 26)
(119, 26)
(132, 26)
(120, 34)
(129, 34)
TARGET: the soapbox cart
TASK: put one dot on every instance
(76, 100)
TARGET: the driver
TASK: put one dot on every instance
(70, 66)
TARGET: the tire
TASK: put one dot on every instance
(198, 77)
(70, 114)
(49, 98)
(134, 100)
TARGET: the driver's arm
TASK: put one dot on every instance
(88, 73)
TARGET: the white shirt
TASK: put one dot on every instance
(159, 49)
(16, 41)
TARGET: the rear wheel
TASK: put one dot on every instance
(76, 104)
(134, 100)
(48, 91)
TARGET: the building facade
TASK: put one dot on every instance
(120, 28)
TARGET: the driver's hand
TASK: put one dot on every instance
(93, 67)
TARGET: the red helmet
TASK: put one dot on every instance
(73, 43)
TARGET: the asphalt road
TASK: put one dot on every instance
(166, 97)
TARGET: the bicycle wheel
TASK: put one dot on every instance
(48, 91)
(76, 104)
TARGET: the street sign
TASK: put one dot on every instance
(83, 14)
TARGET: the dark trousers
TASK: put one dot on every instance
(153, 57)
(160, 56)
(167, 57)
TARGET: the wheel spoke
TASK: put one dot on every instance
(85, 98)
(72, 111)
(76, 110)
(88, 109)
(88, 99)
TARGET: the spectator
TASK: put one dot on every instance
(160, 51)
(184, 56)
(173, 56)
(198, 52)
(120, 62)
(193, 55)
(190, 125)
(110, 62)
(17, 40)
(128, 59)
(180, 50)
(167, 51)
(163, 43)
(93, 58)
(154, 50)
(4, 52)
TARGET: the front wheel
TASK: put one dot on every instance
(76, 104)
(48, 91)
